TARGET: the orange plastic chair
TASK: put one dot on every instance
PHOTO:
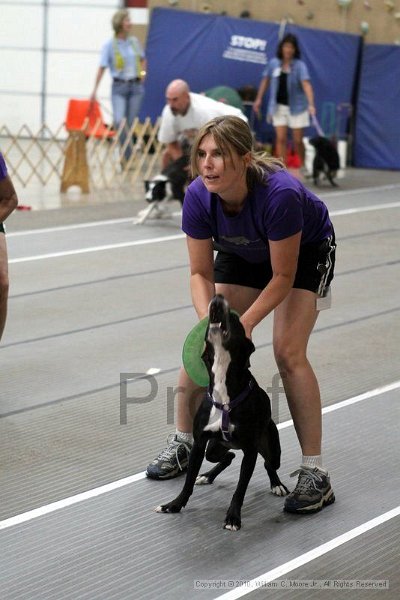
(80, 110)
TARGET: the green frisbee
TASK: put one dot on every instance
(192, 351)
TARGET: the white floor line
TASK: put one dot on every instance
(49, 508)
(258, 582)
(157, 240)
(357, 191)
(114, 485)
(107, 222)
(72, 226)
(344, 403)
(356, 210)
(167, 238)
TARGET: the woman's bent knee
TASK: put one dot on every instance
(289, 357)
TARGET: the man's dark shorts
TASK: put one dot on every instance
(2, 230)
(315, 268)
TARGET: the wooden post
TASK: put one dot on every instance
(76, 171)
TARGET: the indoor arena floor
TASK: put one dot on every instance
(96, 301)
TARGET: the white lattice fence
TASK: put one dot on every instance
(41, 156)
(33, 155)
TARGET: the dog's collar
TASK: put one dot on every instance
(226, 408)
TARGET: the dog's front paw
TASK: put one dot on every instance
(233, 522)
(233, 526)
(202, 480)
(280, 490)
(171, 507)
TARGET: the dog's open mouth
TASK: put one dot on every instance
(218, 312)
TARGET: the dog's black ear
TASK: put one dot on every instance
(146, 185)
(250, 346)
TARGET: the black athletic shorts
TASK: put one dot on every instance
(315, 268)
(2, 230)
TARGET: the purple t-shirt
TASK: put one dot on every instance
(273, 212)
(3, 168)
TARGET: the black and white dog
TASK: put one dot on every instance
(158, 189)
(158, 193)
(170, 183)
(235, 414)
(326, 161)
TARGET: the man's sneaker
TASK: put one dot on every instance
(312, 492)
(172, 461)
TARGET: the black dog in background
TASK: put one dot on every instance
(235, 414)
(158, 189)
(170, 183)
(326, 160)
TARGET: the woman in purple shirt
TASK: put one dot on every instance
(276, 253)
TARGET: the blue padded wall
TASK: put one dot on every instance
(377, 131)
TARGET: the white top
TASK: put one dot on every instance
(201, 110)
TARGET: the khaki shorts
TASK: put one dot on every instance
(283, 118)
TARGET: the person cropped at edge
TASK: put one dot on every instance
(8, 203)
(184, 113)
(125, 58)
(276, 253)
(291, 98)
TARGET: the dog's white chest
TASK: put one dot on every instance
(222, 359)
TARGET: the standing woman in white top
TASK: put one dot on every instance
(125, 58)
